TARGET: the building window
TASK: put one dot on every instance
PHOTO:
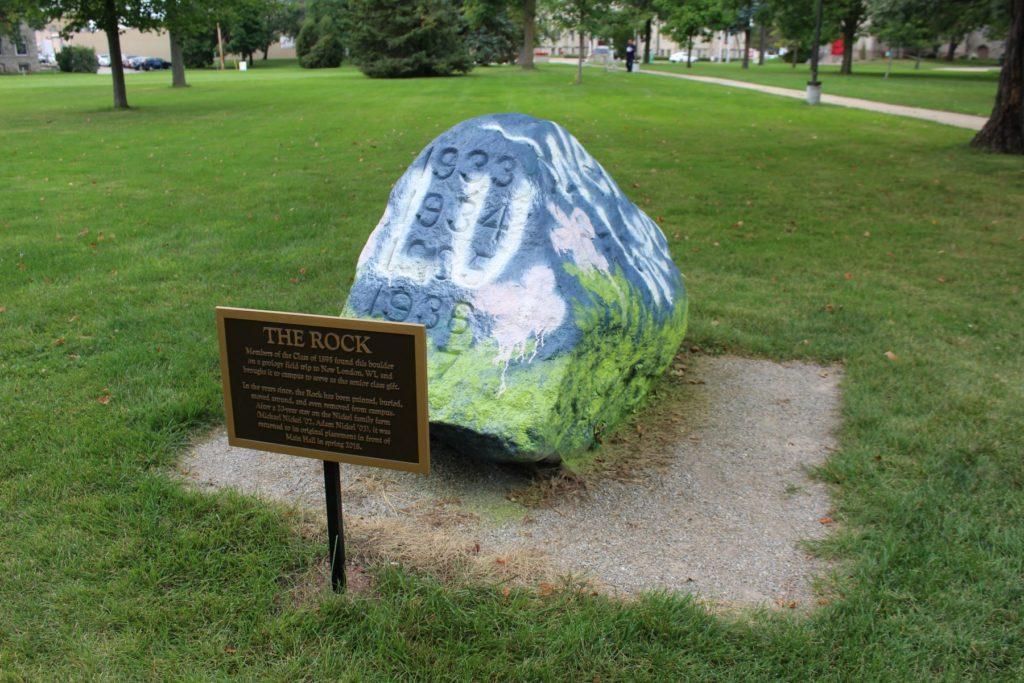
(20, 46)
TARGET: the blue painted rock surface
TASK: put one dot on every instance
(550, 299)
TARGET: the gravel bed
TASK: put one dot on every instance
(722, 517)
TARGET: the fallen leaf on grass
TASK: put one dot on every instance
(3, 309)
(104, 399)
(546, 588)
(847, 276)
(506, 591)
(825, 520)
(891, 356)
(500, 560)
(59, 341)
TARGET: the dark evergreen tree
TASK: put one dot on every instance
(492, 36)
(198, 48)
(321, 42)
(402, 38)
(328, 52)
(306, 40)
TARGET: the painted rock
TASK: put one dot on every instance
(550, 300)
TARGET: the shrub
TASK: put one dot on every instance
(306, 40)
(328, 52)
(78, 59)
(401, 39)
(198, 50)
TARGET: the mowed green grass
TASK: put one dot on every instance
(929, 86)
(818, 234)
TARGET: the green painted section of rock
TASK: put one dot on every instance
(550, 410)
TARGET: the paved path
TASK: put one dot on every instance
(948, 118)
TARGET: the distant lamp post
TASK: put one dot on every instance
(814, 86)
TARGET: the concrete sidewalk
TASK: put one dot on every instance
(948, 118)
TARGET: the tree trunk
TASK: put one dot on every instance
(796, 53)
(689, 52)
(951, 52)
(849, 26)
(529, 26)
(762, 39)
(746, 47)
(846, 68)
(177, 62)
(579, 63)
(647, 41)
(114, 45)
(1004, 131)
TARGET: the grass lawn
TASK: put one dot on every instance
(929, 87)
(805, 233)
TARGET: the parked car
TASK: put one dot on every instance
(154, 64)
(132, 61)
(104, 59)
(683, 56)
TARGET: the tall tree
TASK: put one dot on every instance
(852, 15)
(1004, 131)
(585, 17)
(492, 35)
(401, 39)
(110, 16)
(900, 24)
(183, 20)
(763, 16)
(686, 20)
(794, 19)
(247, 29)
(14, 13)
(646, 12)
(529, 33)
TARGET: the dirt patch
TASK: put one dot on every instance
(706, 492)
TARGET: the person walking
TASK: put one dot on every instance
(630, 55)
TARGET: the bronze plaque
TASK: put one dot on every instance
(340, 389)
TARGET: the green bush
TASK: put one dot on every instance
(198, 50)
(78, 59)
(306, 40)
(402, 39)
(327, 52)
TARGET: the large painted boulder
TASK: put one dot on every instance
(550, 299)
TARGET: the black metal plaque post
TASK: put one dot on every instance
(335, 526)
